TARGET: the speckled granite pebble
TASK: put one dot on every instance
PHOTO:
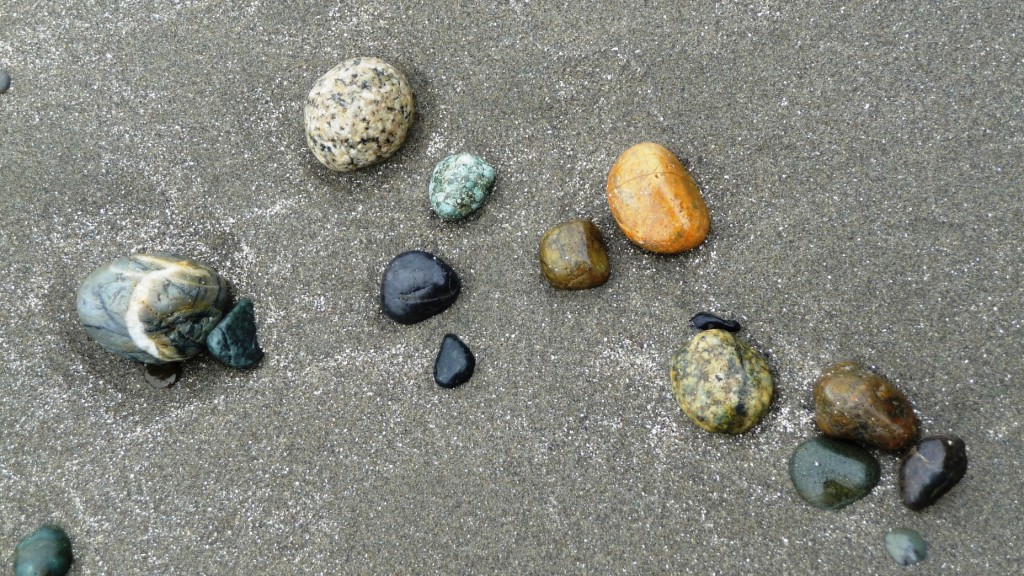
(5, 81)
(45, 552)
(358, 113)
(459, 185)
(906, 546)
(721, 382)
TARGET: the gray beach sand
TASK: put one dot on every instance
(862, 164)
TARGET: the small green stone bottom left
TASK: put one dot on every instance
(45, 552)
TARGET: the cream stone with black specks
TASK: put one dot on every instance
(358, 113)
(721, 382)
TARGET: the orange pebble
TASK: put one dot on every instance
(655, 201)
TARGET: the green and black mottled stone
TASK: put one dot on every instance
(233, 341)
(831, 474)
(931, 468)
(459, 185)
(45, 552)
(906, 546)
(154, 308)
(454, 364)
(721, 382)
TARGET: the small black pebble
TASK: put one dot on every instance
(5, 81)
(455, 362)
(162, 376)
(930, 469)
(416, 286)
(707, 321)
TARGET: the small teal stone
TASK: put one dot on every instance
(459, 185)
(45, 552)
(233, 341)
(906, 546)
(831, 474)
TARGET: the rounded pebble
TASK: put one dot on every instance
(459, 186)
(454, 364)
(930, 469)
(708, 321)
(721, 382)
(854, 403)
(153, 308)
(906, 546)
(655, 201)
(416, 286)
(831, 474)
(45, 552)
(358, 113)
(5, 81)
(573, 256)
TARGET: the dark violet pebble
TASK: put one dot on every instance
(162, 376)
(454, 364)
(233, 341)
(930, 469)
(708, 321)
(5, 81)
(416, 286)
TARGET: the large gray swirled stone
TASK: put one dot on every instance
(154, 308)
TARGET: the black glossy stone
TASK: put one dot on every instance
(930, 469)
(708, 321)
(162, 376)
(454, 364)
(416, 286)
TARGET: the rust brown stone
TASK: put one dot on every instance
(573, 257)
(854, 403)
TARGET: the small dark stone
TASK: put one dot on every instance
(454, 364)
(162, 376)
(708, 321)
(416, 286)
(930, 469)
(45, 552)
(233, 340)
(5, 81)
(831, 474)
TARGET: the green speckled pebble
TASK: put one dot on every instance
(459, 185)
(721, 382)
(45, 552)
(906, 546)
(831, 474)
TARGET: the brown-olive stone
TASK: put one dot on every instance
(573, 257)
(854, 403)
(655, 201)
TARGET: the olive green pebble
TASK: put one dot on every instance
(831, 474)
(906, 546)
(721, 382)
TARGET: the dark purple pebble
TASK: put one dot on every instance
(931, 468)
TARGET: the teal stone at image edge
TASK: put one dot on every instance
(831, 474)
(906, 546)
(459, 185)
(45, 552)
(233, 341)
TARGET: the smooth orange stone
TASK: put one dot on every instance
(655, 201)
